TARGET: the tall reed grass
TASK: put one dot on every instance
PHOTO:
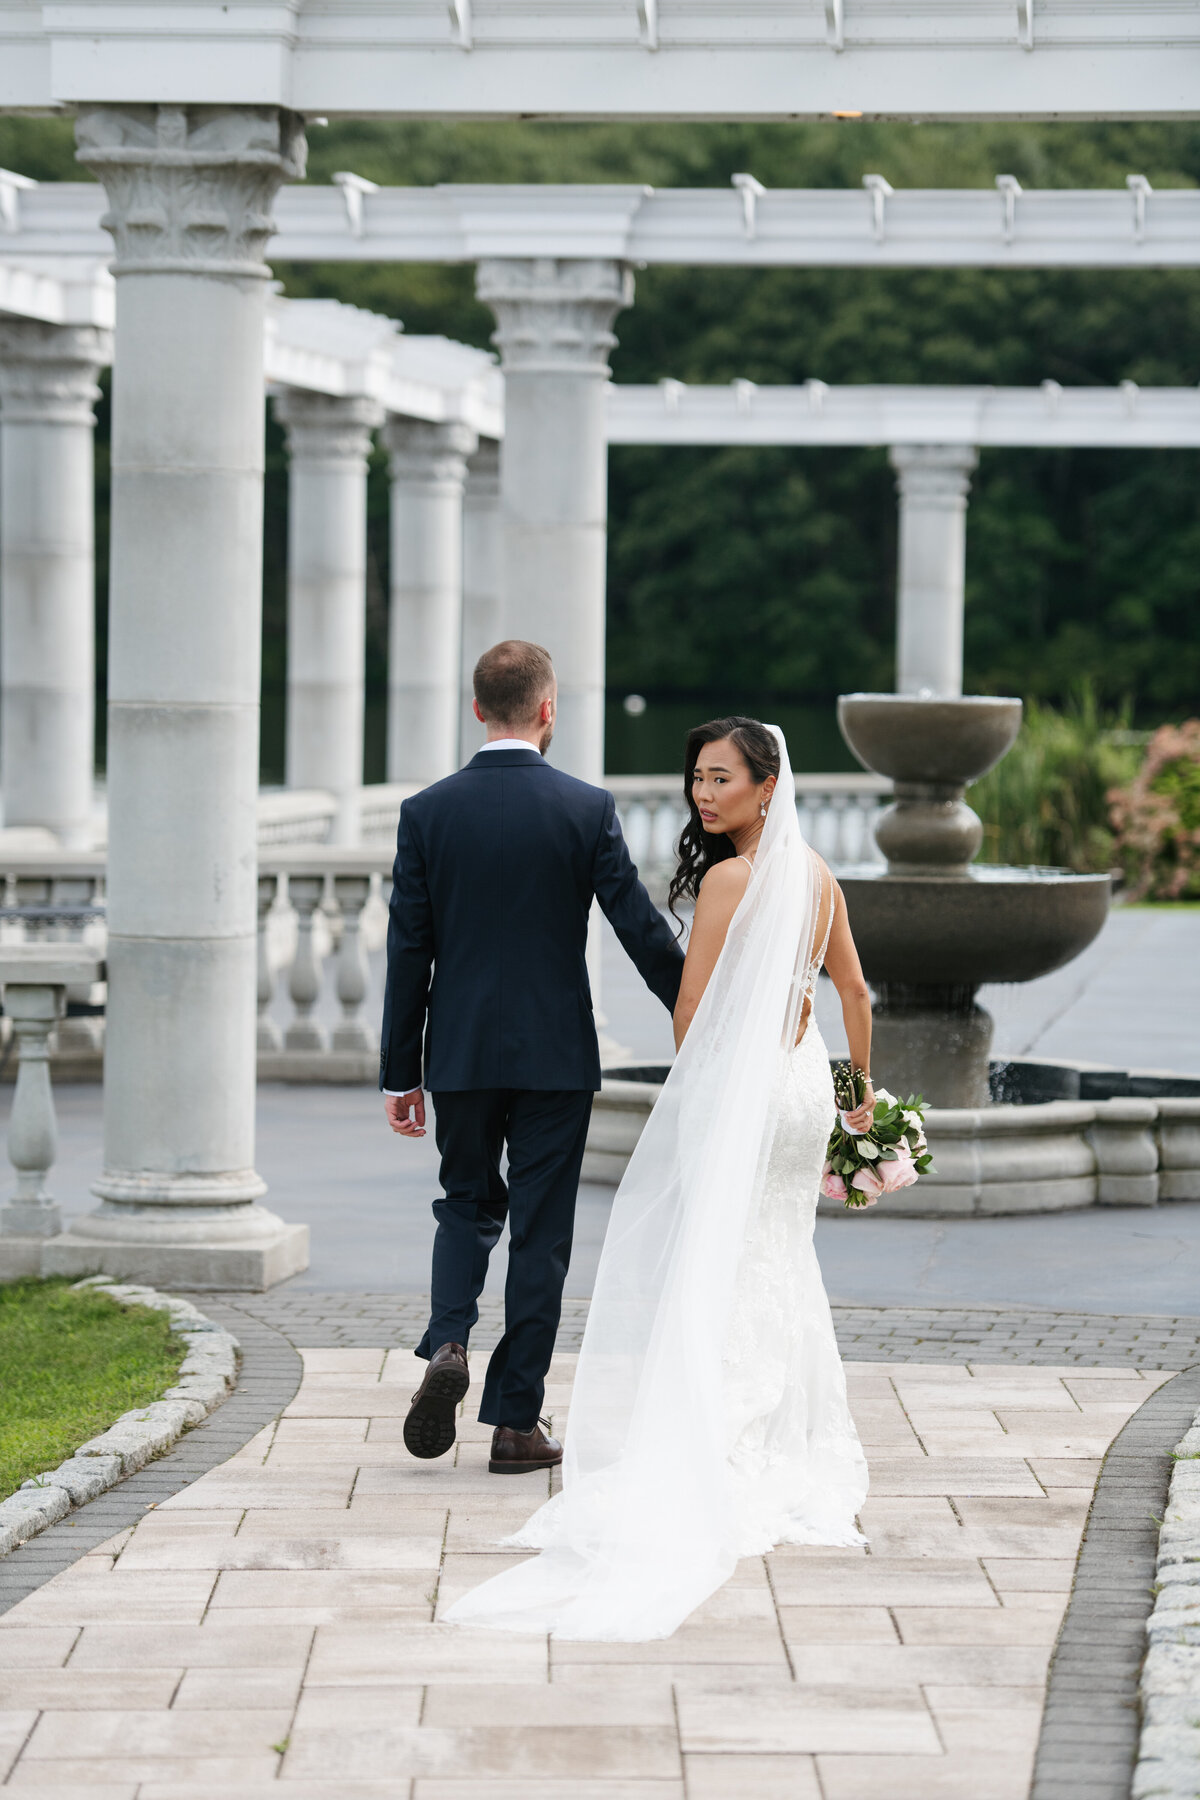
(1047, 803)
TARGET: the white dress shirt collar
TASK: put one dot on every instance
(511, 744)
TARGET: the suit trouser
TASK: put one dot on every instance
(545, 1133)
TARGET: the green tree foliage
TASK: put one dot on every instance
(768, 573)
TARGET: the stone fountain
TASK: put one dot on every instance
(934, 926)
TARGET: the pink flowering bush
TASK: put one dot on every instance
(1157, 817)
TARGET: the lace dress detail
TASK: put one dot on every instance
(796, 1464)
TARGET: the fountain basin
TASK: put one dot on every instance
(984, 924)
(1115, 1137)
(924, 740)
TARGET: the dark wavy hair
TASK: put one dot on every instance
(698, 849)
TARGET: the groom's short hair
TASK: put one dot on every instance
(511, 680)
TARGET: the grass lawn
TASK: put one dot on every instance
(71, 1362)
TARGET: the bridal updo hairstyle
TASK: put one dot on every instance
(698, 849)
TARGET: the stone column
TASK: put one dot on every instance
(481, 625)
(47, 574)
(932, 482)
(329, 441)
(554, 333)
(428, 469)
(190, 191)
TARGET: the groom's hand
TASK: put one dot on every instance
(406, 1112)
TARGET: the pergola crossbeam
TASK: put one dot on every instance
(631, 59)
(742, 225)
(1125, 417)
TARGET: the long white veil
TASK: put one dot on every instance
(645, 1527)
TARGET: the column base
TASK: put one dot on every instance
(244, 1268)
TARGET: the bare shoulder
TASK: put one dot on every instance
(725, 878)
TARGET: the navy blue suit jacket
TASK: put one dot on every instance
(496, 868)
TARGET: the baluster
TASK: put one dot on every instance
(33, 890)
(304, 981)
(650, 858)
(79, 1035)
(629, 818)
(269, 1038)
(840, 808)
(32, 1130)
(351, 893)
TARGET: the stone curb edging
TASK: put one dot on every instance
(1169, 1751)
(207, 1375)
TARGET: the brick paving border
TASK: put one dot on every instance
(1089, 1738)
(380, 1321)
(270, 1375)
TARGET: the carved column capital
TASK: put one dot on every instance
(48, 372)
(426, 452)
(327, 428)
(190, 188)
(554, 314)
(934, 474)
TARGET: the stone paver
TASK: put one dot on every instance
(273, 1627)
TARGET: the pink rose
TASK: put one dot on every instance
(868, 1183)
(832, 1186)
(899, 1172)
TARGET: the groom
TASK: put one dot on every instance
(496, 868)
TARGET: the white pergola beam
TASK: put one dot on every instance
(670, 59)
(1118, 418)
(1127, 227)
(318, 345)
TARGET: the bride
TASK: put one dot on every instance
(709, 1417)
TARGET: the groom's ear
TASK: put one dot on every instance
(476, 711)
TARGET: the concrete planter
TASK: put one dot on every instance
(1053, 1156)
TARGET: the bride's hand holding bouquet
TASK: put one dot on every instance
(873, 1149)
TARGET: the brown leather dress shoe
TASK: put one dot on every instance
(429, 1427)
(521, 1452)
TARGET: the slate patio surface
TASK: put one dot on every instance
(273, 1627)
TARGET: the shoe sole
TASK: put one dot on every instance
(429, 1429)
(522, 1468)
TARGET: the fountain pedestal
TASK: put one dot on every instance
(934, 927)
(931, 1040)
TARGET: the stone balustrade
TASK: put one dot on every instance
(837, 815)
(320, 910)
(322, 915)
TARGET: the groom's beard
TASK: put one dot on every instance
(546, 739)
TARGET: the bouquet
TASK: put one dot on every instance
(890, 1154)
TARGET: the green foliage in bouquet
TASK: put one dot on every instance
(890, 1155)
(1157, 817)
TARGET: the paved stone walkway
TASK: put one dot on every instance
(273, 1628)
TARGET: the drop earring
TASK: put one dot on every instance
(762, 809)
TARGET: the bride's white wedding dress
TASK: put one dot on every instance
(798, 1470)
(709, 1418)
